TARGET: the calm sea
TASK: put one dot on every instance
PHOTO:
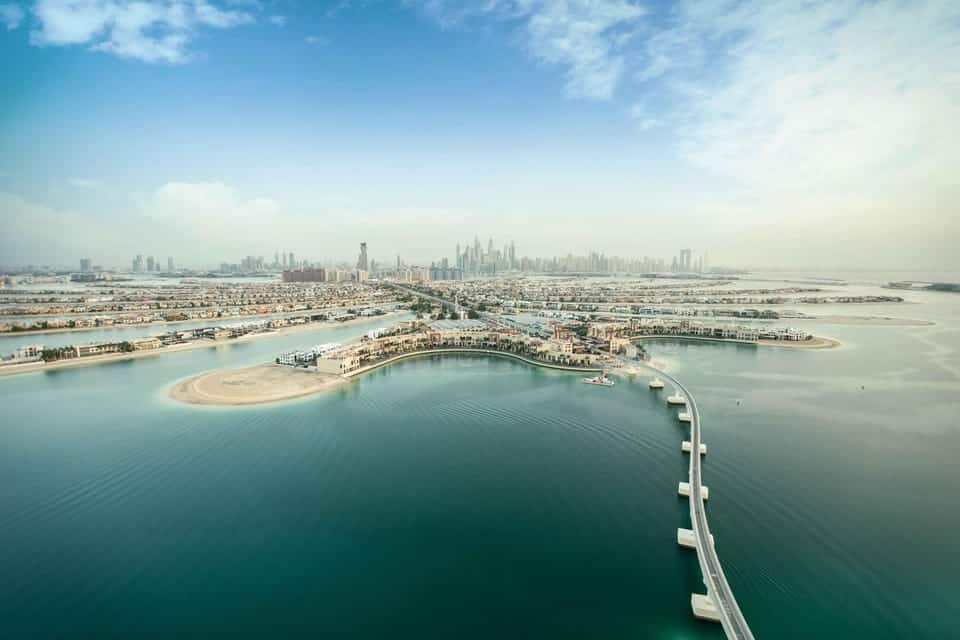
(474, 497)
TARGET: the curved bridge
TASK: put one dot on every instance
(719, 603)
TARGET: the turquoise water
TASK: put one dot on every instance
(466, 496)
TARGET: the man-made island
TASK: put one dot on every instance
(325, 367)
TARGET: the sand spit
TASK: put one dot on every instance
(816, 342)
(866, 321)
(253, 385)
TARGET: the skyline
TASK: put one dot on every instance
(472, 257)
(778, 138)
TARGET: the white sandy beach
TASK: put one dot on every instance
(817, 342)
(253, 385)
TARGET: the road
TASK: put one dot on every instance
(734, 624)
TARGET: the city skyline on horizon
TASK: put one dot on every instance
(780, 137)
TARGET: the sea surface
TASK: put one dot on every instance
(476, 497)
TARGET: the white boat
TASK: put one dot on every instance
(600, 379)
(656, 383)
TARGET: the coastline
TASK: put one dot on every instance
(157, 323)
(866, 321)
(266, 383)
(817, 342)
(15, 369)
(259, 384)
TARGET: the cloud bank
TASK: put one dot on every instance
(149, 31)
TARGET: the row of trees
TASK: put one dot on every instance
(65, 353)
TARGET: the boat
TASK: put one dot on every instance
(656, 383)
(601, 379)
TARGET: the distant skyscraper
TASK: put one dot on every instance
(291, 262)
(362, 263)
(149, 263)
(398, 262)
(685, 260)
(138, 263)
(84, 265)
(170, 265)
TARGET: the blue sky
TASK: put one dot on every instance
(791, 133)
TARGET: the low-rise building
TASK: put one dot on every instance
(144, 344)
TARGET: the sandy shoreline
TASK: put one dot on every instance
(866, 321)
(11, 370)
(253, 385)
(817, 342)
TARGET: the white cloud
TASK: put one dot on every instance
(207, 204)
(586, 37)
(83, 183)
(644, 119)
(147, 30)
(279, 21)
(824, 94)
(316, 40)
(11, 15)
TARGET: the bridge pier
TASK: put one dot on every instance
(704, 607)
(686, 447)
(684, 490)
(686, 538)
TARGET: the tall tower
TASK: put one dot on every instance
(362, 263)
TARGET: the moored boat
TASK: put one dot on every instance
(601, 380)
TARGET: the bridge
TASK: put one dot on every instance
(719, 603)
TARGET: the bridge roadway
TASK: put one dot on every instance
(718, 589)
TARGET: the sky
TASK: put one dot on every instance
(782, 133)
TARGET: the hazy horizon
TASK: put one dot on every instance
(771, 135)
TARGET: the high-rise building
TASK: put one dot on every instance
(84, 265)
(684, 263)
(362, 263)
(138, 263)
(290, 262)
(170, 264)
(149, 263)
